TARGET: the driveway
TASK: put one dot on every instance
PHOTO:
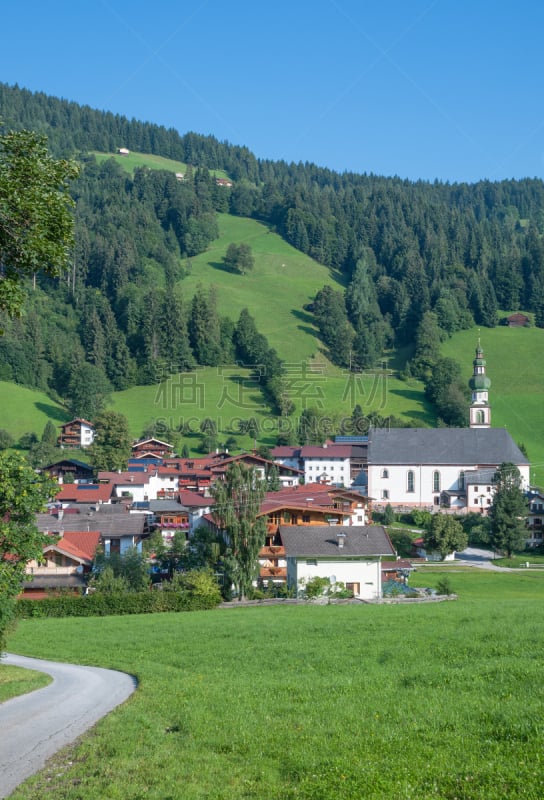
(35, 726)
(478, 557)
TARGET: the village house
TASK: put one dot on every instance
(168, 517)
(119, 530)
(348, 555)
(337, 463)
(535, 519)
(77, 471)
(66, 563)
(151, 448)
(78, 433)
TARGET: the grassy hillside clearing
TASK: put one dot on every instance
(435, 701)
(275, 292)
(27, 410)
(133, 160)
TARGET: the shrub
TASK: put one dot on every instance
(444, 586)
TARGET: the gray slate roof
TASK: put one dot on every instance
(110, 524)
(463, 446)
(322, 540)
(166, 507)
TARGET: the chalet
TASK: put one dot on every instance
(169, 517)
(223, 182)
(76, 433)
(518, 320)
(313, 505)
(78, 471)
(351, 556)
(155, 448)
(65, 564)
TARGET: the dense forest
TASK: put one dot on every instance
(419, 260)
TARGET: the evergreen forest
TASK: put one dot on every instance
(413, 262)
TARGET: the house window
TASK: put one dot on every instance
(287, 517)
(410, 481)
(306, 519)
(436, 481)
(385, 473)
(461, 480)
(385, 494)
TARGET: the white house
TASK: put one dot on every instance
(329, 464)
(349, 555)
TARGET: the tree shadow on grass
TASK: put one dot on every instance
(53, 412)
(222, 267)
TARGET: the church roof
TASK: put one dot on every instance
(463, 446)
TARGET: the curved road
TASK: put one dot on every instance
(35, 726)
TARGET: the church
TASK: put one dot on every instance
(444, 467)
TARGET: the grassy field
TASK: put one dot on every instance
(434, 701)
(26, 410)
(133, 160)
(275, 291)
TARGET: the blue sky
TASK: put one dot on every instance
(447, 89)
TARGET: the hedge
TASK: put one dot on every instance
(101, 605)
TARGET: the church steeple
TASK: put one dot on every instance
(480, 411)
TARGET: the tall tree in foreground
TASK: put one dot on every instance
(508, 512)
(36, 224)
(237, 501)
(22, 494)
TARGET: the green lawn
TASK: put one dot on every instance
(434, 701)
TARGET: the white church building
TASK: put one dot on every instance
(443, 467)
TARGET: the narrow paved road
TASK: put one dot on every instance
(35, 726)
(478, 557)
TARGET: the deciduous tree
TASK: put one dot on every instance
(237, 501)
(22, 494)
(36, 224)
(444, 535)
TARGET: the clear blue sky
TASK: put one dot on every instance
(448, 89)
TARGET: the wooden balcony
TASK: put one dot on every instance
(272, 552)
(273, 573)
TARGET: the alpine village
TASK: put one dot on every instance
(261, 390)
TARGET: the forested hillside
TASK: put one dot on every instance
(413, 262)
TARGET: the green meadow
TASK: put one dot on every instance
(133, 160)
(434, 701)
(27, 410)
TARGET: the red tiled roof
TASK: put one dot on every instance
(128, 476)
(84, 493)
(80, 544)
(331, 451)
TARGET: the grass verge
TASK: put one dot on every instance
(356, 701)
